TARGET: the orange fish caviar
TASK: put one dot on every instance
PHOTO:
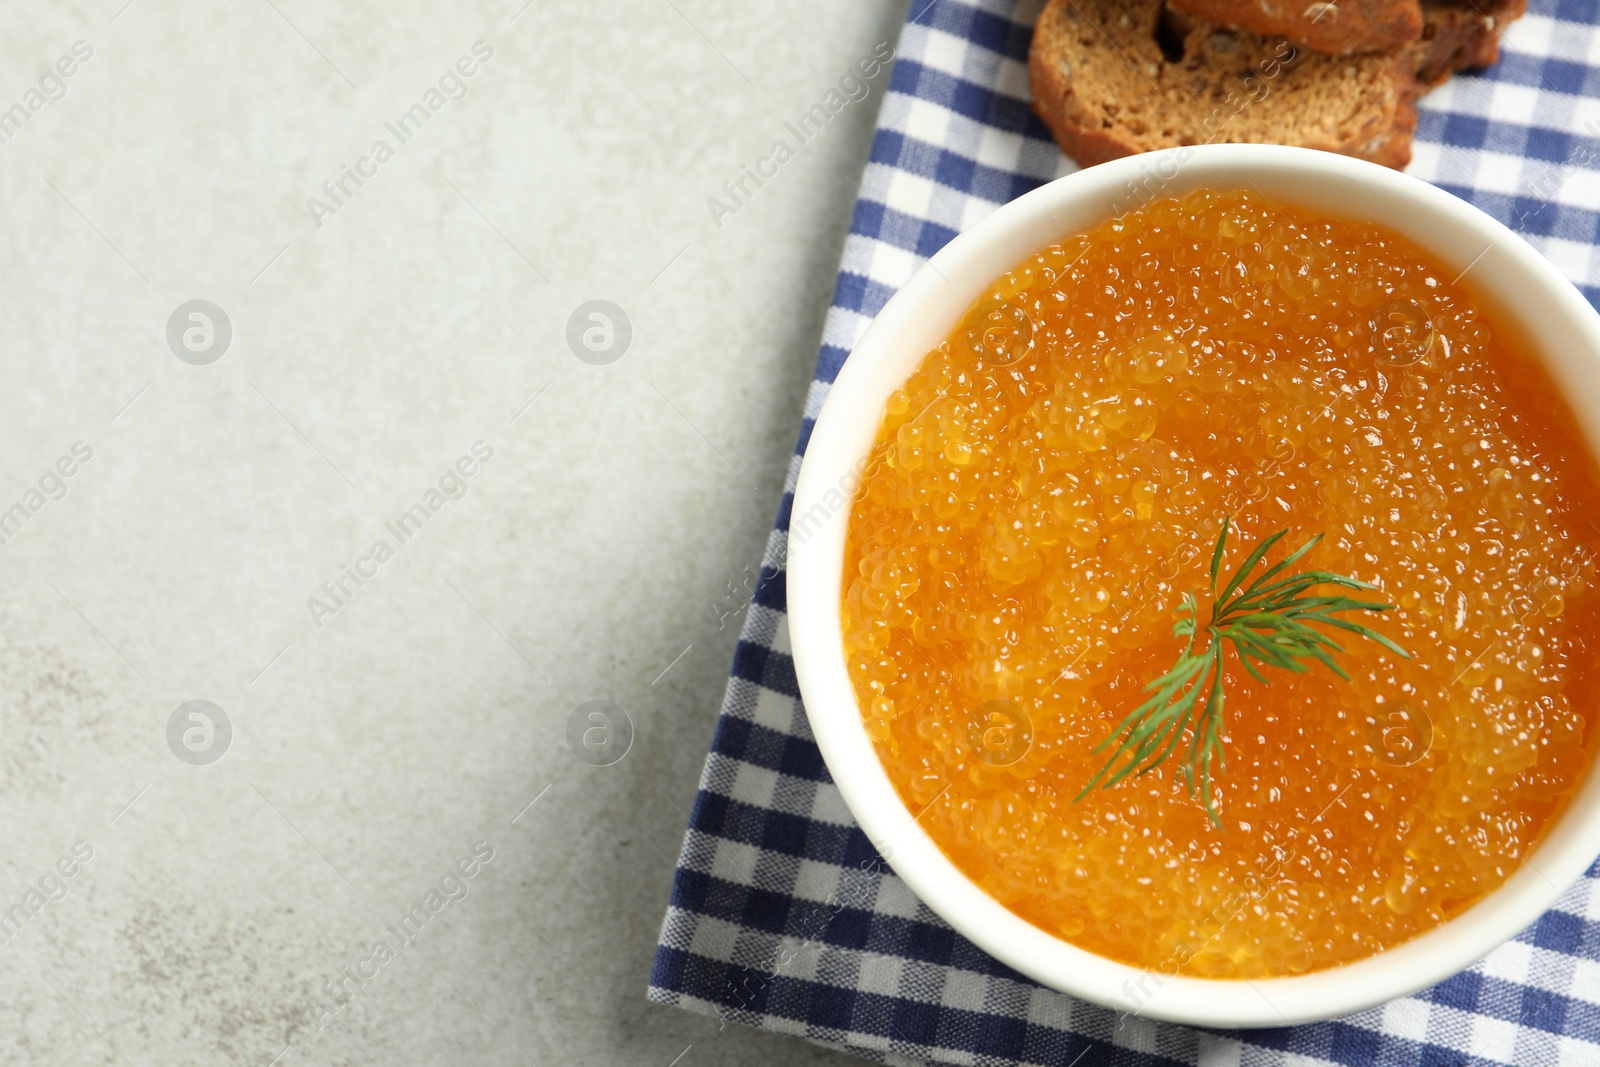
(1050, 483)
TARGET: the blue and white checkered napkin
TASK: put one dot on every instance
(781, 915)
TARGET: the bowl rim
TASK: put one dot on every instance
(1562, 328)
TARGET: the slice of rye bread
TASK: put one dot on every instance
(1115, 77)
(1338, 27)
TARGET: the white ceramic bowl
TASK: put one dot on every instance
(1560, 324)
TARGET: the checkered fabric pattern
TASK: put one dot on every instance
(782, 916)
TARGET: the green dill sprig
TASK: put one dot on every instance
(1271, 622)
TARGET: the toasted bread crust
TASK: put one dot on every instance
(1461, 36)
(1338, 27)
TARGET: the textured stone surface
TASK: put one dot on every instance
(369, 753)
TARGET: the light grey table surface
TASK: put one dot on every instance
(378, 736)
